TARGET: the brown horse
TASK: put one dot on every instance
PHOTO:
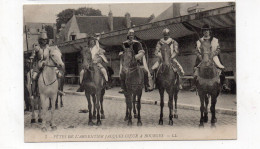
(208, 83)
(167, 79)
(133, 77)
(94, 86)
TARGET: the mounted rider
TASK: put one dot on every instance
(38, 58)
(98, 56)
(206, 30)
(137, 47)
(174, 52)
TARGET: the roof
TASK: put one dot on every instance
(181, 26)
(97, 24)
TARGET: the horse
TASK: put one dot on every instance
(133, 77)
(208, 83)
(167, 80)
(61, 81)
(48, 86)
(94, 86)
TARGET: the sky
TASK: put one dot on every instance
(47, 13)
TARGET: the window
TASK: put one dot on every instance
(73, 37)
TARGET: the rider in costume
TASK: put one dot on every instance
(206, 30)
(98, 57)
(38, 57)
(174, 52)
(136, 46)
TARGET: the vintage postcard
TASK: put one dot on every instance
(129, 72)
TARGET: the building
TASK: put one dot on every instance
(79, 27)
(185, 29)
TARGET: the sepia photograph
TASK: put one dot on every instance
(129, 72)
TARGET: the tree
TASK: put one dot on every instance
(65, 15)
(49, 30)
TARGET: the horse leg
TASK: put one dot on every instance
(170, 105)
(94, 104)
(50, 106)
(161, 91)
(130, 102)
(33, 112)
(56, 102)
(206, 109)
(126, 102)
(134, 103)
(212, 110)
(139, 122)
(98, 108)
(202, 98)
(39, 106)
(175, 103)
(101, 102)
(90, 122)
(53, 125)
(61, 102)
(43, 111)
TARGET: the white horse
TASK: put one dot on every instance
(48, 86)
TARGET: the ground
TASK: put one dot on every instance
(69, 120)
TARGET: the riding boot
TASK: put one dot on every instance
(81, 88)
(146, 81)
(222, 82)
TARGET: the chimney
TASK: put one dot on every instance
(128, 20)
(110, 21)
(176, 9)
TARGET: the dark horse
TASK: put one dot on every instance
(208, 83)
(93, 83)
(134, 81)
(167, 79)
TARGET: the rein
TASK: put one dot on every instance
(49, 66)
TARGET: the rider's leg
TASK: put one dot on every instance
(217, 62)
(34, 85)
(180, 72)
(81, 74)
(195, 74)
(122, 82)
(150, 79)
(104, 71)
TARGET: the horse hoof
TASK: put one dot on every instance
(171, 122)
(135, 116)
(33, 121)
(61, 106)
(214, 120)
(39, 120)
(44, 129)
(160, 122)
(126, 118)
(49, 108)
(213, 125)
(201, 125)
(139, 123)
(53, 127)
(103, 116)
(90, 123)
(176, 116)
(99, 123)
(129, 123)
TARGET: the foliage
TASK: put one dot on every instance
(65, 15)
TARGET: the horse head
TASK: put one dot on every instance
(166, 54)
(87, 57)
(55, 55)
(207, 68)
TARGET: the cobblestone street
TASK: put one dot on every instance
(69, 119)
